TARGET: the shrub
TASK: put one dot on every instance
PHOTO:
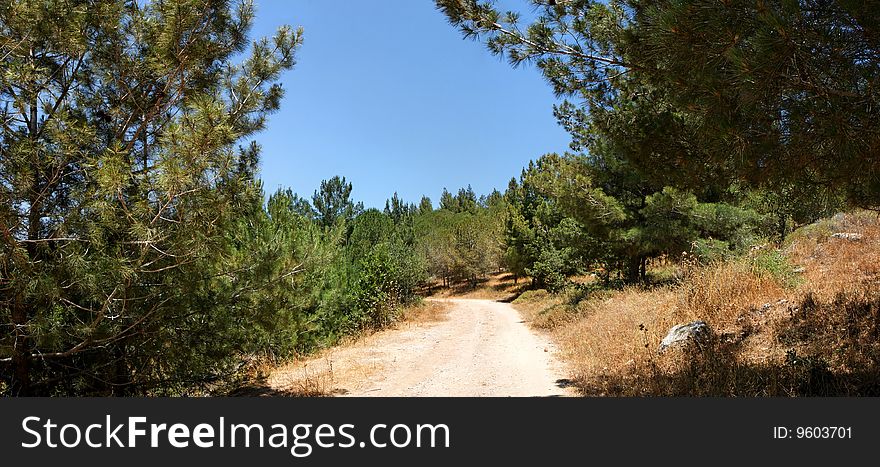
(775, 264)
(708, 250)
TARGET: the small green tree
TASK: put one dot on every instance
(425, 205)
(387, 267)
(448, 201)
(398, 209)
(332, 203)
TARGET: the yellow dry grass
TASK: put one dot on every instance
(315, 375)
(428, 311)
(495, 286)
(768, 339)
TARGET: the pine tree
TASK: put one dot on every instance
(118, 135)
(332, 203)
(448, 201)
(425, 205)
(772, 94)
(397, 209)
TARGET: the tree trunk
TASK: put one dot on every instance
(633, 269)
(782, 227)
(21, 358)
(643, 273)
(21, 352)
(122, 374)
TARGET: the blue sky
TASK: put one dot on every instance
(389, 95)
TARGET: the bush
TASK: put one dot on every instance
(551, 269)
(709, 250)
(775, 264)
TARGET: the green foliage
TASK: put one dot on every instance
(779, 96)
(380, 270)
(541, 241)
(775, 264)
(399, 210)
(464, 201)
(550, 267)
(462, 240)
(123, 144)
(375, 293)
(575, 213)
(789, 98)
(704, 127)
(332, 203)
(791, 206)
(709, 250)
(425, 205)
(139, 257)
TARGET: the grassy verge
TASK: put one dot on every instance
(313, 375)
(800, 320)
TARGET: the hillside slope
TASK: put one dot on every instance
(801, 319)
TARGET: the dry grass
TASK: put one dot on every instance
(495, 286)
(304, 377)
(770, 337)
(308, 377)
(428, 311)
(314, 375)
(615, 331)
(832, 264)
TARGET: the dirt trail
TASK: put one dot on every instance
(483, 348)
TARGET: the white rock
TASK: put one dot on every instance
(682, 333)
(848, 236)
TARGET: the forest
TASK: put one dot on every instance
(141, 255)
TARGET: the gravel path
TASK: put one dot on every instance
(483, 348)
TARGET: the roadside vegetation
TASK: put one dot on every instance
(804, 323)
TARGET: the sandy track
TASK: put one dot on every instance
(483, 348)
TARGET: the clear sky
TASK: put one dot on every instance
(389, 95)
